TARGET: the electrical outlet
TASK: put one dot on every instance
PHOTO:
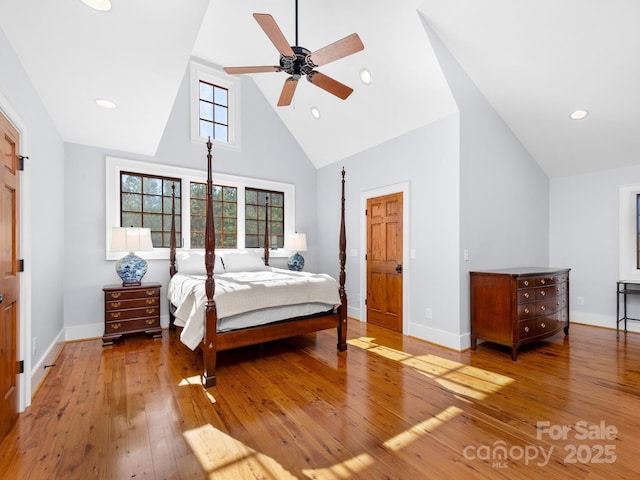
(465, 254)
(580, 300)
(34, 346)
(429, 313)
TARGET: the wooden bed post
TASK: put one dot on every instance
(209, 346)
(342, 328)
(172, 250)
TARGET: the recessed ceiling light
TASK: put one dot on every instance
(365, 76)
(579, 114)
(315, 112)
(101, 5)
(105, 103)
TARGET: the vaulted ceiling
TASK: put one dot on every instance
(536, 61)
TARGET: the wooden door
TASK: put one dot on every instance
(9, 281)
(384, 261)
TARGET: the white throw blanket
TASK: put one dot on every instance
(242, 292)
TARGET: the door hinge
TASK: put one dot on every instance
(21, 159)
(21, 265)
(366, 212)
(21, 366)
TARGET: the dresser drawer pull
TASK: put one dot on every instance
(115, 326)
(526, 295)
(543, 325)
(543, 293)
(151, 310)
(114, 314)
(151, 292)
(115, 304)
(150, 321)
(526, 310)
(526, 283)
(526, 329)
(115, 295)
(151, 301)
(542, 281)
(543, 308)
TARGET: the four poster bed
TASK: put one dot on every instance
(242, 304)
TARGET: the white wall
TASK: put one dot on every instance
(584, 236)
(504, 194)
(268, 152)
(427, 159)
(42, 211)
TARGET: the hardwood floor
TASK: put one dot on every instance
(390, 407)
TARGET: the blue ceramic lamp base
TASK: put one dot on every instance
(131, 269)
(296, 262)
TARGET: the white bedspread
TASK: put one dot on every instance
(241, 292)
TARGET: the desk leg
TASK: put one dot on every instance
(618, 311)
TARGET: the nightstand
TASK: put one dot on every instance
(131, 310)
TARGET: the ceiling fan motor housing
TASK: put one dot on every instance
(298, 65)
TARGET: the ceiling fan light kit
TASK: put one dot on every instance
(297, 61)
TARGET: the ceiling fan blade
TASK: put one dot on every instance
(236, 70)
(336, 50)
(274, 33)
(332, 86)
(288, 89)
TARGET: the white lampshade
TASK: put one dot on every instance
(296, 242)
(131, 239)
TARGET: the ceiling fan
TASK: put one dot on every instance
(298, 61)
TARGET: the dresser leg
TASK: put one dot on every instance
(566, 330)
(514, 354)
(473, 342)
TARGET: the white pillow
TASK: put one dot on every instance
(192, 263)
(243, 261)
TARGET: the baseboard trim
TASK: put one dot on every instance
(39, 372)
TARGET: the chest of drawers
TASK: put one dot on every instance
(131, 310)
(517, 306)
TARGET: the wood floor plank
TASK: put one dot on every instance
(391, 407)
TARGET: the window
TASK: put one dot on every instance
(225, 215)
(255, 201)
(629, 238)
(215, 106)
(145, 201)
(213, 112)
(139, 193)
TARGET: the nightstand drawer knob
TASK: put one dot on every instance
(116, 304)
(115, 326)
(115, 315)
(151, 292)
(151, 310)
(115, 295)
(151, 301)
(150, 321)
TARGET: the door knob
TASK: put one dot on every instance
(399, 268)
(1, 298)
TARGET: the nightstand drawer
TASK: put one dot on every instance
(132, 313)
(126, 304)
(133, 325)
(123, 294)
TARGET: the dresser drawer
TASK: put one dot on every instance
(526, 310)
(526, 329)
(132, 313)
(526, 295)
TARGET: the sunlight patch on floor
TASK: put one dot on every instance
(196, 380)
(414, 433)
(223, 457)
(347, 469)
(465, 380)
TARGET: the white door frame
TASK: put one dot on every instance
(406, 268)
